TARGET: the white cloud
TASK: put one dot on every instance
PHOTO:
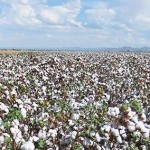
(64, 14)
(100, 16)
(55, 15)
(135, 13)
(38, 12)
(19, 12)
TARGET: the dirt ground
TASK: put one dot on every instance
(9, 52)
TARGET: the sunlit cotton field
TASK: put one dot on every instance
(61, 100)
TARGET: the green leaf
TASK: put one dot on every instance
(41, 144)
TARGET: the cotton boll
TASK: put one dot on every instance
(71, 123)
(131, 123)
(92, 133)
(52, 133)
(14, 93)
(102, 129)
(143, 117)
(143, 147)
(16, 122)
(6, 134)
(87, 142)
(130, 114)
(23, 112)
(107, 136)
(147, 126)
(21, 106)
(113, 114)
(34, 138)
(131, 128)
(107, 128)
(73, 135)
(124, 135)
(129, 109)
(98, 147)
(145, 131)
(122, 131)
(14, 129)
(139, 125)
(115, 132)
(116, 110)
(146, 135)
(119, 139)
(17, 140)
(28, 146)
(137, 133)
(19, 101)
(121, 127)
(19, 134)
(42, 134)
(75, 116)
(98, 138)
(1, 139)
(135, 119)
(67, 139)
(34, 106)
(25, 128)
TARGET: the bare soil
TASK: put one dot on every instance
(9, 52)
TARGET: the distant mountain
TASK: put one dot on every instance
(121, 49)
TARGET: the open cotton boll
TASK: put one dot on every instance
(116, 110)
(119, 139)
(107, 136)
(42, 134)
(1, 139)
(107, 128)
(121, 127)
(146, 135)
(130, 114)
(75, 116)
(144, 130)
(92, 133)
(131, 128)
(13, 92)
(16, 122)
(71, 122)
(137, 133)
(28, 146)
(14, 129)
(23, 112)
(135, 119)
(74, 134)
(4, 107)
(98, 138)
(143, 117)
(122, 131)
(18, 140)
(6, 134)
(34, 138)
(52, 133)
(143, 147)
(87, 142)
(124, 135)
(140, 125)
(26, 128)
(113, 113)
(19, 101)
(115, 132)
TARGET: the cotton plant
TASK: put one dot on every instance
(74, 100)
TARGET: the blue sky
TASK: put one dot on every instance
(74, 23)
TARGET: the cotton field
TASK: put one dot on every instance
(75, 101)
